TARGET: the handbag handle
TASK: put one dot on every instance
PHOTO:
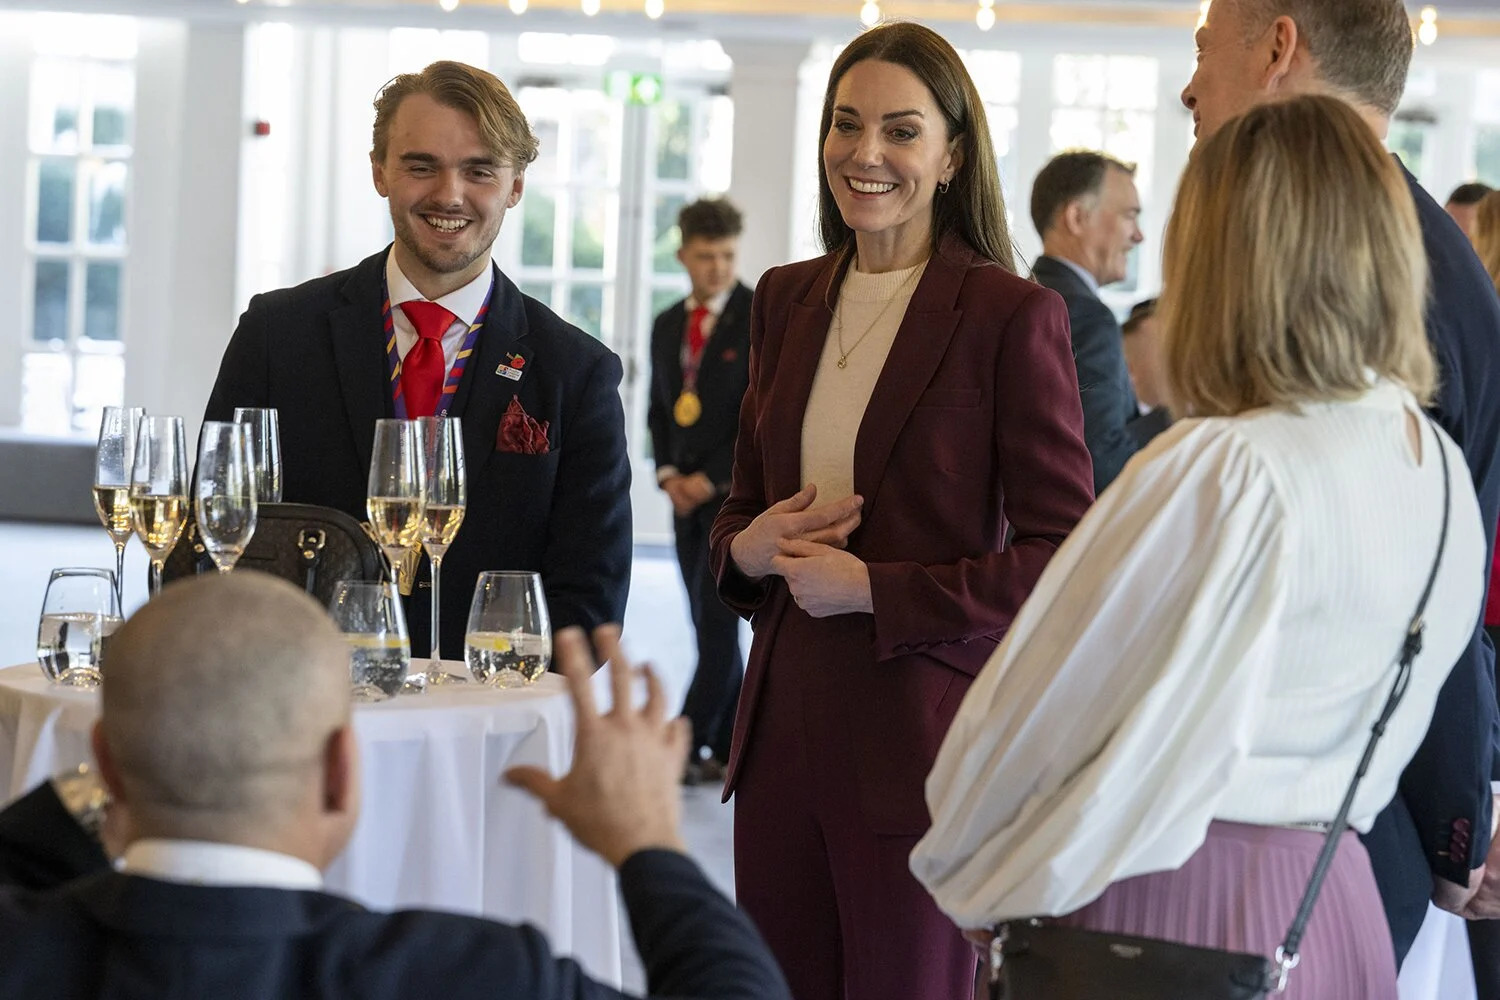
(1286, 955)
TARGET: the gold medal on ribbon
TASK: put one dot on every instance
(687, 409)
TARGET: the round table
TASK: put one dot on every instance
(438, 829)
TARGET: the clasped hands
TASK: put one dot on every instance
(805, 547)
(689, 492)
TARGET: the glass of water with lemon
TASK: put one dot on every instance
(509, 640)
(379, 649)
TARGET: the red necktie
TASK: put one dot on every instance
(423, 369)
(695, 334)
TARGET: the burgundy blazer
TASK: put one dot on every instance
(973, 469)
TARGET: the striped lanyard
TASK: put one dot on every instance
(455, 374)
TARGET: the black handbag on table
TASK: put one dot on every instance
(313, 547)
(1033, 960)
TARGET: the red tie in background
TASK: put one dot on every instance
(423, 369)
(695, 335)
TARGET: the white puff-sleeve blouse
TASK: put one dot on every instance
(1213, 641)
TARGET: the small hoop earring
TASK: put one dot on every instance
(942, 187)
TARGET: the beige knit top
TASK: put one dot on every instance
(868, 314)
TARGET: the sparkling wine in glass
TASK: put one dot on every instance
(225, 491)
(79, 611)
(397, 487)
(112, 465)
(442, 441)
(369, 614)
(509, 640)
(265, 448)
(159, 488)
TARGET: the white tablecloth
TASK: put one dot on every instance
(438, 829)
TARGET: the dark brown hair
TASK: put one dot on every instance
(502, 125)
(973, 207)
(710, 219)
(1067, 177)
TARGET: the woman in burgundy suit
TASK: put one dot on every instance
(910, 455)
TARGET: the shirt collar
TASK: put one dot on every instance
(201, 862)
(715, 305)
(464, 302)
(1088, 279)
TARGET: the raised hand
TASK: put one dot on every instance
(622, 794)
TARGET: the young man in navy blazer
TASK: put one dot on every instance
(1432, 841)
(700, 367)
(430, 326)
(226, 739)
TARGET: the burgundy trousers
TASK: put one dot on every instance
(836, 902)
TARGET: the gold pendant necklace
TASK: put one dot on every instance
(839, 330)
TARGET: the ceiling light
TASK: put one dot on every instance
(590, 7)
(655, 8)
(1428, 33)
(449, 5)
(985, 17)
(869, 14)
(518, 6)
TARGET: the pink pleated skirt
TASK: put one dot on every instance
(1240, 892)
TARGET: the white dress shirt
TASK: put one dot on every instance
(1213, 641)
(464, 303)
(201, 862)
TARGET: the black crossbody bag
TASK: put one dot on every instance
(1032, 960)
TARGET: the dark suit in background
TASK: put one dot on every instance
(1439, 822)
(707, 446)
(317, 354)
(1109, 405)
(42, 846)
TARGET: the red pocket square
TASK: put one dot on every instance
(521, 433)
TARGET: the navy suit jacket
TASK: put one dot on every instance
(1109, 406)
(723, 374)
(1439, 822)
(73, 929)
(317, 354)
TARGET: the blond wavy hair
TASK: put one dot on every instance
(1293, 266)
(1487, 235)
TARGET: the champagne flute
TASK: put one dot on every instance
(369, 614)
(442, 442)
(265, 447)
(79, 611)
(398, 480)
(225, 491)
(159, 488)
(509, 639)
(112, 481)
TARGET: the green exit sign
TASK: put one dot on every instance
(635, 88)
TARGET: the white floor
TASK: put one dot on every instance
(656, 630)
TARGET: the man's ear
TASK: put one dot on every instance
(106, 763)
(341, 771)
(1284, 47)
(1074, 218)
(377, 174)
(517, 186)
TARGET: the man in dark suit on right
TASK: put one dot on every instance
(226, 736)
(700, 368)
(1433, 839)
(1086, 208)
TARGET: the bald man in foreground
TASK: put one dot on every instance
(226, 735)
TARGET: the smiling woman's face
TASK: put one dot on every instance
(886, 151)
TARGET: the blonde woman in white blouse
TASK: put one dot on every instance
(1188, 690)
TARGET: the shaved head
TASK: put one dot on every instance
(220, 699)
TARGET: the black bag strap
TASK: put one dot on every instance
(1286, 955)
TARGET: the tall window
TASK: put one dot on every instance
(1486, 165)
(1109, 103)
(81, 122)
(997, 76)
